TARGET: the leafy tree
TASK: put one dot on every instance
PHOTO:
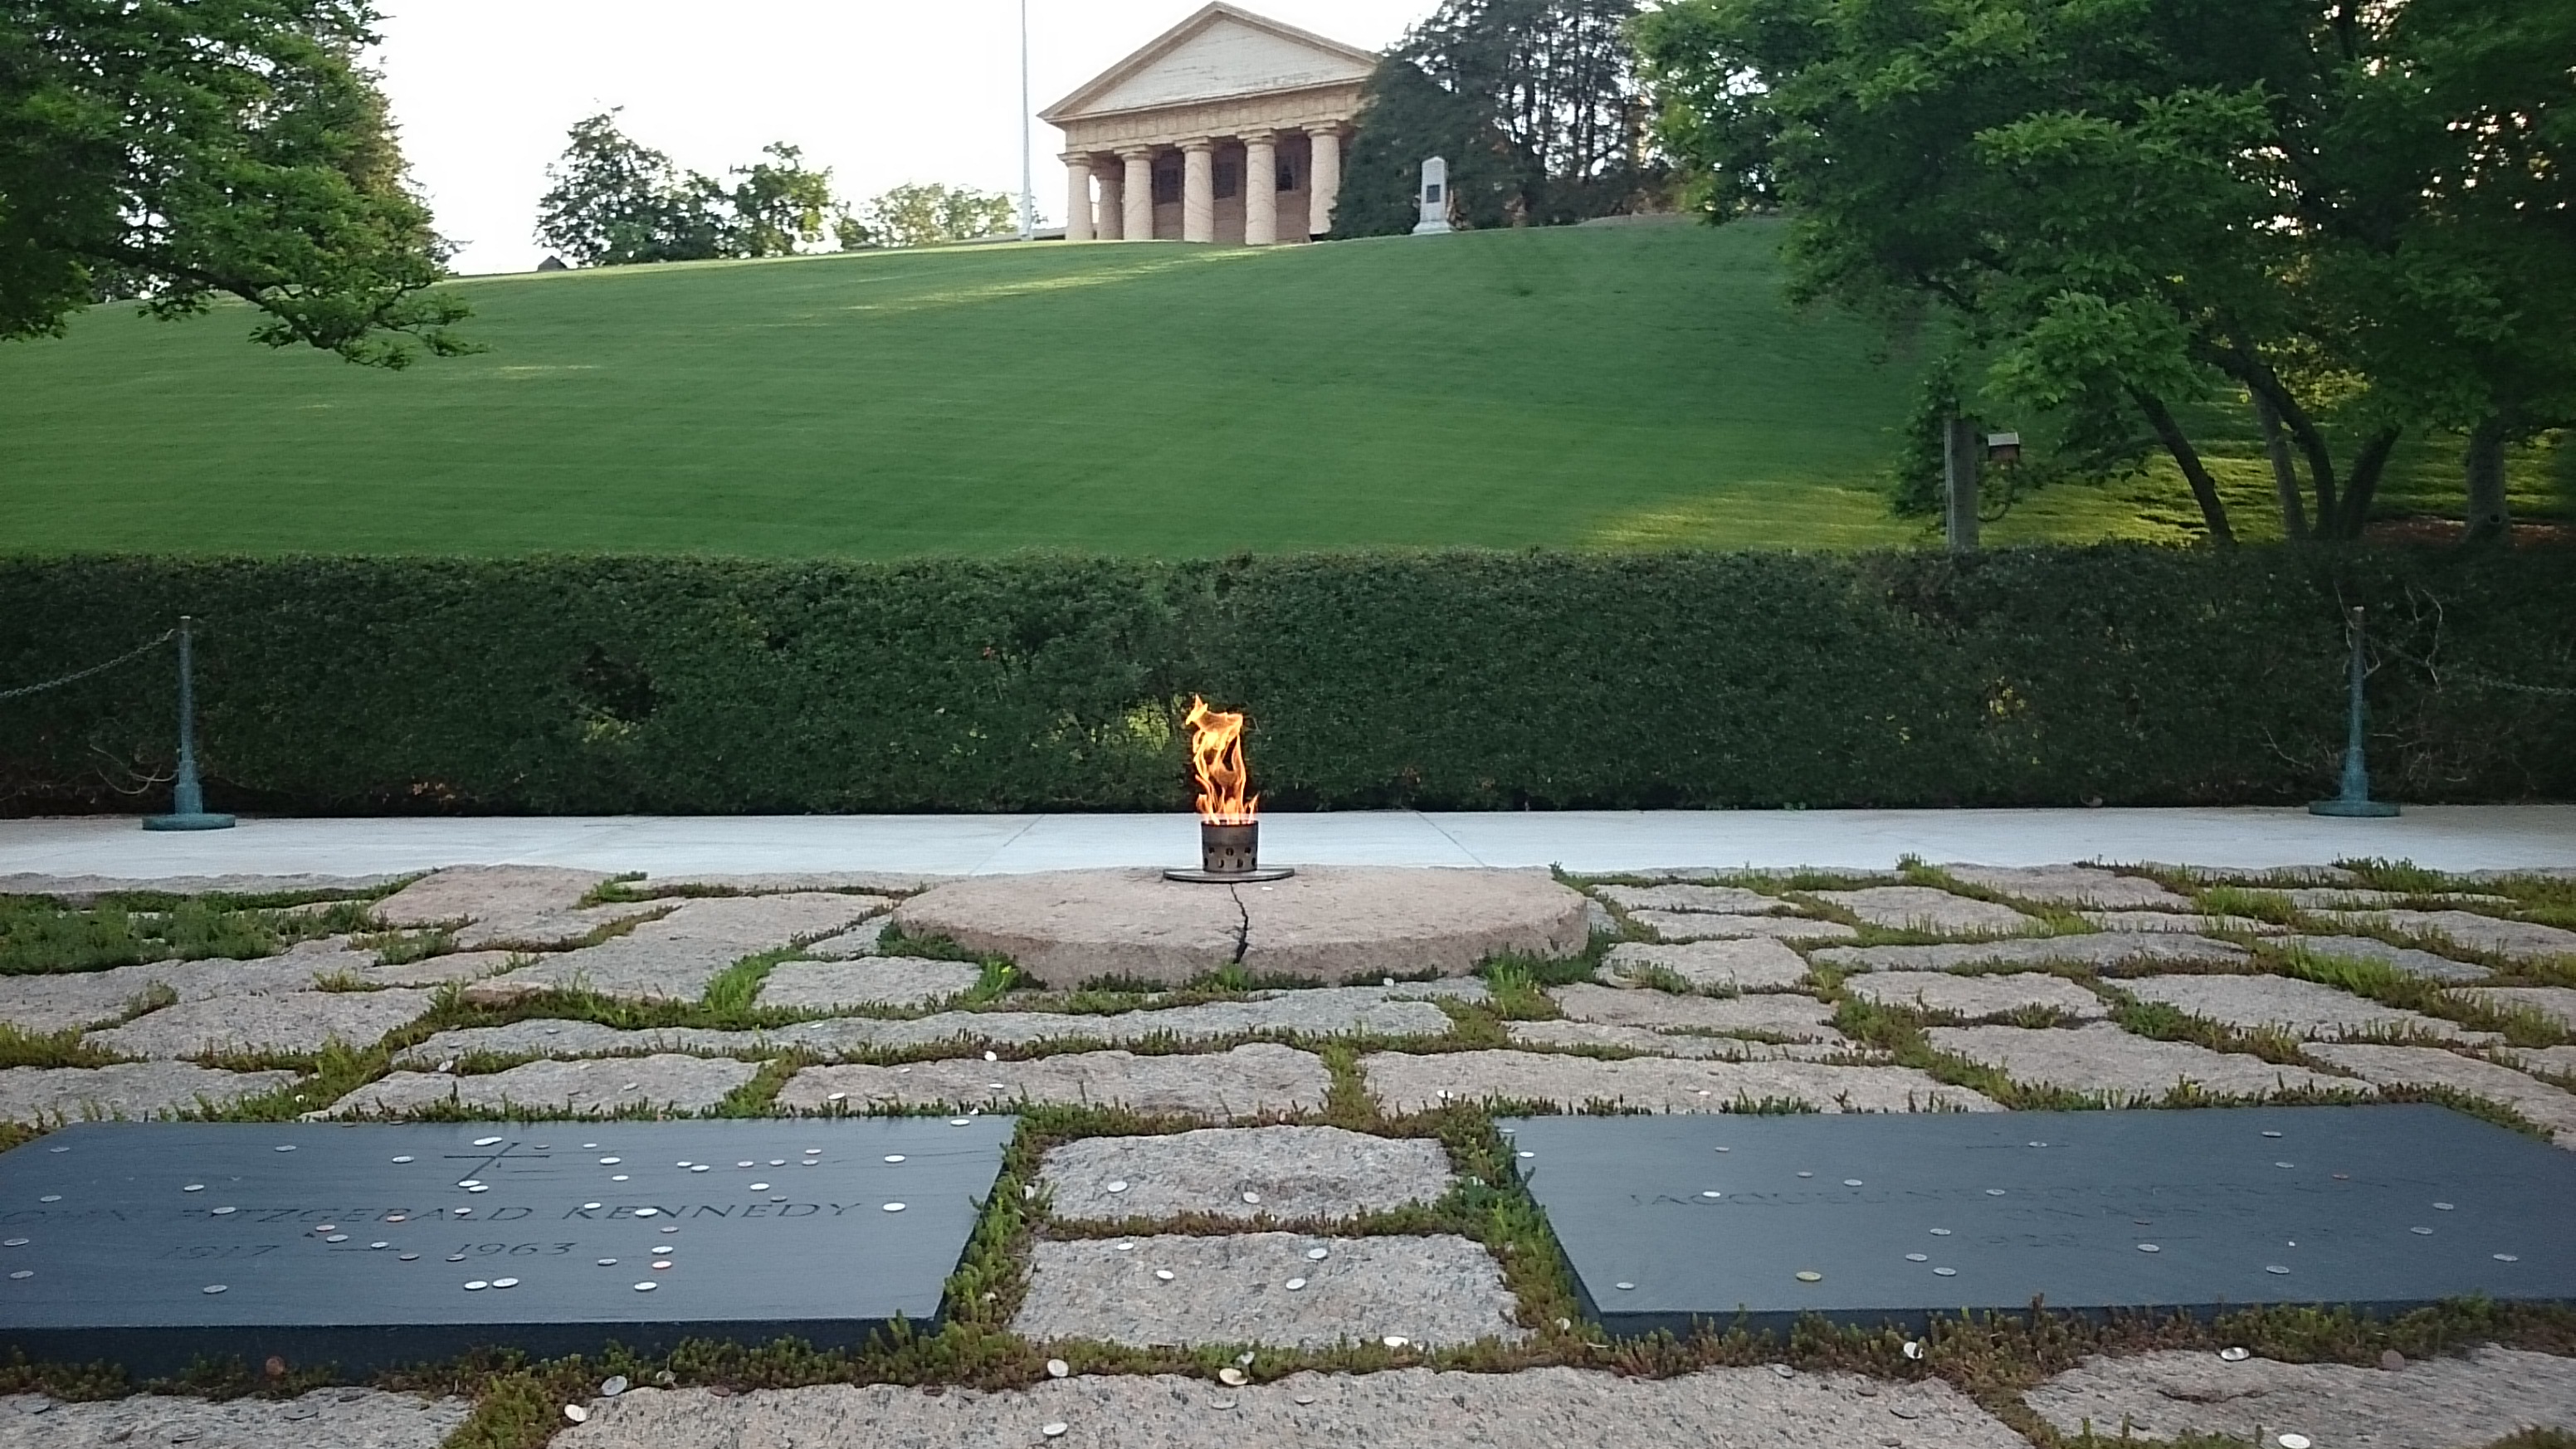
(1536, 105)
(928, 214)
(177, 152)
(2130, 206)
(615, 201)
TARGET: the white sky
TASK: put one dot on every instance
(881, 91)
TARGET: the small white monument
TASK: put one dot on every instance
(1434, 198)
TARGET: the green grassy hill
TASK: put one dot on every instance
(1614, 386)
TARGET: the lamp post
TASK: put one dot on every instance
(187, 797)
(1028, 175)
(2355, 800)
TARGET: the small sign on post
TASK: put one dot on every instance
(1434, 198)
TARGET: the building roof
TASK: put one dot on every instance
(1221, 50)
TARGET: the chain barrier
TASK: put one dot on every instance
(135, 653)
(2491, 682)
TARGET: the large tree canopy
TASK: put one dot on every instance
(615, 202)
(1535, 104)
(178, 152)
(2355, 217)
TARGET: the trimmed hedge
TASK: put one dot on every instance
(2126, 675)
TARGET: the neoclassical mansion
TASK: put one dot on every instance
(1228, 127)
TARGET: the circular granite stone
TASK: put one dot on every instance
(1324, 924)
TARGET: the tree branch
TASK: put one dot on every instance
(2213, 510)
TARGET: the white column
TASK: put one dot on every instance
(1325, 186)
(1113, 209)
(1077, 196)
(1198, 190)
(1138, 193)
(1260, 188)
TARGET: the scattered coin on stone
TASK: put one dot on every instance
(194, 1187)
(1165, 1274)
(408, 1257)
(1318, 1254)
(1851, 1182)
(2235, 1355)
(760, 1187)
(2421, 1232)
(1940, 1232)
(1918, 1257)
(577, 1413)
(992, 1056)
(1712, 1193)
(2441, 1207)
(1057, 1368)
(1914, 1348)
(2149, 1248)
(1945, 1272)
(1294, 1284)
(2505, 1257)
(1784, 1371)
(1232, 1377)
(838, 1097)
(476, 1286)
(2274, 1268)
(1393, 1340)
(225, 1212)
(1252, 1197)
(1126, 1247)
(404, 1158)
(1529, 1154)
(505, 1282)
(1119, 1185)
(1632, 1286)
(2293, 1441)
(1052, 1431)
(1305, 1398)
(608, 1262)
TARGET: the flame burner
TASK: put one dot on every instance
(1229, 855)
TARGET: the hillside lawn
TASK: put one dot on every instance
(1618, 386)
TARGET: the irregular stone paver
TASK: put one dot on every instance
(1435, 1291)
(1752, 963)
(2099, 949)
(2557, 1061)
(47, 1095)
(2557, 1003)
(2406, 1066)
(1921, 908)
(2442, 1403)
(534, 907)
(439, 970)
(1708, 899)
(2405, 959)
(1973, 997)
(48, 1002)
(2333, 898)
(2189, 921)
(2125, 1069)
(1800, 1017)
(299, 1021)
(1543, 1408)
(673, 958)
(2299, 1008)
(1678, 1044)
(2264, 877)
(1325, 923)
(545, 1037)
(2513, 940)
(1679, 926)
(861, 940)
(1247, 1081)
(782, 882)
(1293, 1173)
(2069, 885)
(322, 1419)
(41, 1005)
(873, 981)
(1411, 1082)
(573, 1089)
(80, 892)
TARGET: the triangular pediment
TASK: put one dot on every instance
(1223, 50)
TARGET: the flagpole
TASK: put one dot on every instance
(1028, 175)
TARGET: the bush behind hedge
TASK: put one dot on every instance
(2127, 675)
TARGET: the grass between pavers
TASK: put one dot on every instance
(39, 934)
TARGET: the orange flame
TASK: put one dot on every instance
(1216, 753)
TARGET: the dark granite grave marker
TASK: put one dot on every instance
(1892, 1219)
(151, 1244)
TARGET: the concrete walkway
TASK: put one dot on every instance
(1591, 841)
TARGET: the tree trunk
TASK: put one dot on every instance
(2285, 471)
(2489, 517)
(1959, 484)
(2367, 465)
(2213, 512)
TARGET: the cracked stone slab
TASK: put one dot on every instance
(44, 1004)
(47, 1095)
(2440, 1403)
(1411, 1082)
(1323, 924)
(2297, 1008)
(2557, 1003)
(672, 958)
(2513, 940)
(1562, 1034)
(1679, 926)
(1247, 1081)
(2406, 960)
(47, 1002)
(1290, 1173)
(2069, 885)
(2186, 921)
(440, 970)
(536, 907)
(2410, 1066)
(784, 882)
(1935, 912)
(2125, 1069)
(299, 1021)
(871, 981)
(1751, 963)
(1436, 1290)
(1974, 997)
(1703, 899)
(1779, 1014)
(348, 1418)
(80, 892)
(2097, 949)
(1541, 1408)
(570, 1089)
